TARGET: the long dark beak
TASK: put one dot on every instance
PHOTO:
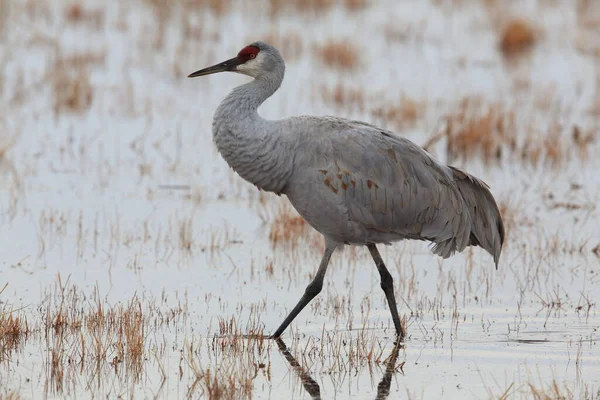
(228, 65)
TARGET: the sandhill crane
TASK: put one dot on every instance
(351, 181)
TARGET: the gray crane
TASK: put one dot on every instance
(353, 182)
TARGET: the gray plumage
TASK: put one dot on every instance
(353, 182)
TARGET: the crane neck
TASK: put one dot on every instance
(244, 100)
(257, 149)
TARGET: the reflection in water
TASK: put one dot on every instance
(383, 389)
(312, 387)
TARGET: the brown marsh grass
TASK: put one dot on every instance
(471, 131)
(341, 55)
(76, 13)
(355, 5)
(288, 227)
(186, 234)
(494, 132)
(289, 231)
(341, 352)
(290, 43)
(165, 8)
(14, 330)
(11, 395)
(85, 337)
(344, 97)
(552, 391)
(6, 165)
(226, 366)
(303, 6)
(278, 7)
(400, 115)
(73, 90)
(517, 36)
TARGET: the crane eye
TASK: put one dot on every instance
(252, 55)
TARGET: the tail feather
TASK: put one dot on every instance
(487, 228)
(445, 248)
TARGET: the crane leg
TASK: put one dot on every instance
(313, 289)
(387, 284)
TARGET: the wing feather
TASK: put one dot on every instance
(389, 184)
(386, 184)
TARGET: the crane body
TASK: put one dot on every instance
(353, 182)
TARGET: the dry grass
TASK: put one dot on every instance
(516, 37)
(217, 7)
(77, 14)
(287, 228)
(186, 235)
(302, 6)
(278, 7)
(494, 132)
(168, 13)
(355, 5)
(596, 250)
(165, 8)
(195, 195)
(510, 215)
(241, 358)
(131, 340)
(344, 97)
(404, 31)
(14, 330)
(583, 140)
(313, 388)
(10, 396)
(6, 165)
(556, 391)
(217, 389)
(470, 131)
(403, 115)
(290, 44)
(5, 145)
(86, 339)
(73, 90)
(340, 352)
(341, 55)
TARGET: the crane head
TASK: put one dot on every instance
(255, 60)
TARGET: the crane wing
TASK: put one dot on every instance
(390, 186)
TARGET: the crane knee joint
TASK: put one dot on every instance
(313, 289)
(387, 282)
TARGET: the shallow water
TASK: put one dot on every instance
(138, 259)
